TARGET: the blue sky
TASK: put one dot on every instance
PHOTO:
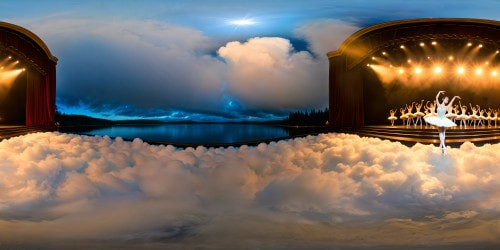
(175, 60)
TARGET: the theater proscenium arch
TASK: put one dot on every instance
(25, 54)
(351, 83)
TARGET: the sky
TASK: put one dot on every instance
(205, 60)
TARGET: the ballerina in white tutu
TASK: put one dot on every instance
(392, 116)
(440, 121)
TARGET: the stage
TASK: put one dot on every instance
(429, 135)
(8, 131)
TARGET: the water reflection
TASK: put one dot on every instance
(195, 133)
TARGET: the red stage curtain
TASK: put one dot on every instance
(39, 100)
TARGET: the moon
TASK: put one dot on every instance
(243, 22)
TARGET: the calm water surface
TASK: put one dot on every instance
(194, 133)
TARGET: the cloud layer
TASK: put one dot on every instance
(331, 190)
(149, 68)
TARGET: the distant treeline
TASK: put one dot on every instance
(83, 120)
(307, 118)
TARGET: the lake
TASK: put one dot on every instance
(194, 133)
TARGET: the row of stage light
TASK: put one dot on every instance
(9, 71)
(9, 63)
(441, 66)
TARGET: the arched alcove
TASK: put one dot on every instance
(27, 78)
(364, 77)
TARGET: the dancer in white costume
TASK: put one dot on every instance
(440, 121)
(463, 117)
(431, 110)
(392, 116)
(403, 116)
(474, 117)
(409, 114)
(495, 117)
(419, 114)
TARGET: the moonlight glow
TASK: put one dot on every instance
(243, 22)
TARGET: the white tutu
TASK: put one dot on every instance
(440, 122)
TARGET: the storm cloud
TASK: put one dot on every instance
(330, 190)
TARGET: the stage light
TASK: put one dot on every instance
(401, 71)
(494, 73)
(402, 46)
(1, 68)
(409, 61)
(480, 45)
(497, 52)
(460, 70)
(383, 53)
(418, 70)
(434, 43)
(438, 70)
(10, 57)
(487, 63)
(469, 44)
(368, 65)
(422, 44)
(16, 62)
(390, 66)
(373, 58)
(24, 69)
(450, 58)
(429, 57)
(479, 71)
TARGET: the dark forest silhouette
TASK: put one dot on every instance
(307, 118)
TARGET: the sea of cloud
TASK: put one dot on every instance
(328, 191)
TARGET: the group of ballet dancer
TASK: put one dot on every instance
(443, 114)
(478, 117)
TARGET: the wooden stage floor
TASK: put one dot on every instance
(8, 131)
(429, 135)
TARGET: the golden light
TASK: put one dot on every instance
(494, 73)
(487, 63)
(368, 64)
(390, 66)
(480, 45)
(434, 43)
(373, 58)
(383, 53)
(438, 69)
(469, 44)
(401, 71)
(479, 71)
(402, 46)
(418, 70)
(460, 70)
(16, 62)
(10, 57)
(409, 61)
(497, 52)
(422, 44)
(450, 58)
(8, 77)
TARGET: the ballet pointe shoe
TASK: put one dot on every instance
(443, 150)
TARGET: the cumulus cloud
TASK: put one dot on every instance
(326, 35)
(330, 190)
(266, 73)
(132, 66)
